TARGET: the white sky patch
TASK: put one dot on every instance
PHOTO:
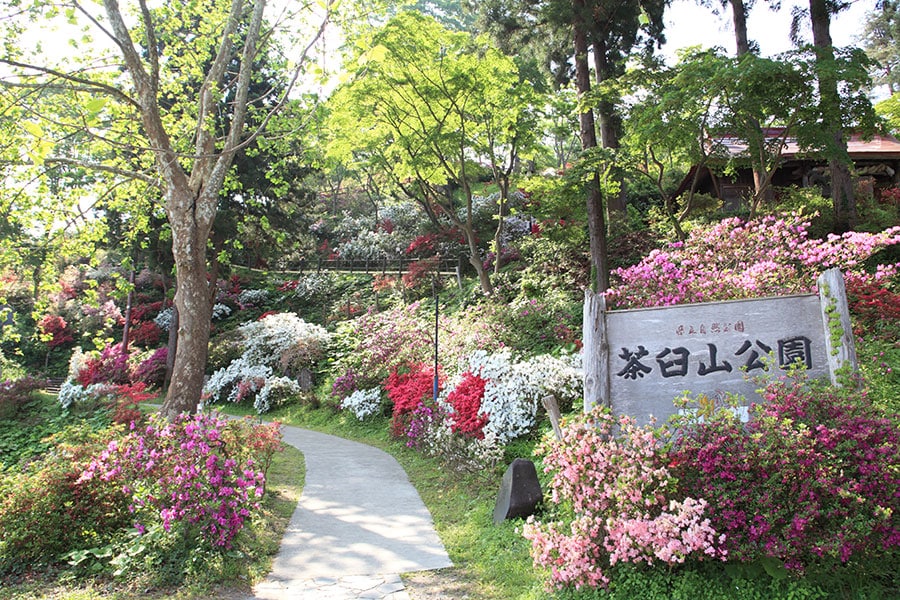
(689, 24)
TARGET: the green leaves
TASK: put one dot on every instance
(42, 147)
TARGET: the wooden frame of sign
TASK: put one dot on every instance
(638, 361)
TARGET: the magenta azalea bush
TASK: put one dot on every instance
(617, 502)
(182, 477)
(742, 259)
(813, 478)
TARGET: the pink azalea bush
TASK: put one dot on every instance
(617, 503)
(742, 259)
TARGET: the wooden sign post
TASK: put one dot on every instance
(638, 361)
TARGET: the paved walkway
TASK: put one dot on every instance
(358, 525)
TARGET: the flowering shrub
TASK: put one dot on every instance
(283, 340)
(182, 482)
(152, 370)
(146, 334)
(513, 390)
(55, 331)
(280, 342)
(811, 478)
(875, 309)
(121, 400)
(741, 259)
(164, 319)
(220, 311)
(363, 403)
(376, 342)
(407, 390)
(71, 392)
(465, 399)
(371, 245)
(225, 384)
(252, 298)
(276, 391)
(614, 494)
(111, 366)
(430, 431)
(311, 286)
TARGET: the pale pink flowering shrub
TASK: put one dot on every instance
(612, 488)
(742, 259)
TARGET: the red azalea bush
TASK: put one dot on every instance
(146, 334)
(152, 370)
(110, 367)
(465, 399)
(812, 479)
(55, 329)
(407, 389)
(145, 311)
(875, 309)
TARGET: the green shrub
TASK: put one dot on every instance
(45, 514)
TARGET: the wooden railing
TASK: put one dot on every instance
(383, 266)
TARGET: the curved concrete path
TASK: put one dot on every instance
(358, 525)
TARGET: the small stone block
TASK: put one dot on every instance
(520, 491)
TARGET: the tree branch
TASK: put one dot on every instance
(89, 85)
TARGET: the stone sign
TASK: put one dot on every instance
(638, 361)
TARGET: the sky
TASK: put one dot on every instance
(689, 24)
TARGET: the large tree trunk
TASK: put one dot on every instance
(610, 126)
(596, 221)
(761, 189)
(842, 194)
(739, 16)
(192, 293)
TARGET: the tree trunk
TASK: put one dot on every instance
(742, 43)
(596, 222)
(842, 195)
(126, 330)
(194, 317)
(739, 16)
(502, 212)
(610, 126)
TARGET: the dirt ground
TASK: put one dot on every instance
(443, 584)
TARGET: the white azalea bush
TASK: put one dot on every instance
(284, 340)
(276, 392)
(164, 319)
(276, 348)
(492, 400)
(363, 403)
(461, 453)
(513, 389)
(248, 298)
(226, 385)
(71, 393)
